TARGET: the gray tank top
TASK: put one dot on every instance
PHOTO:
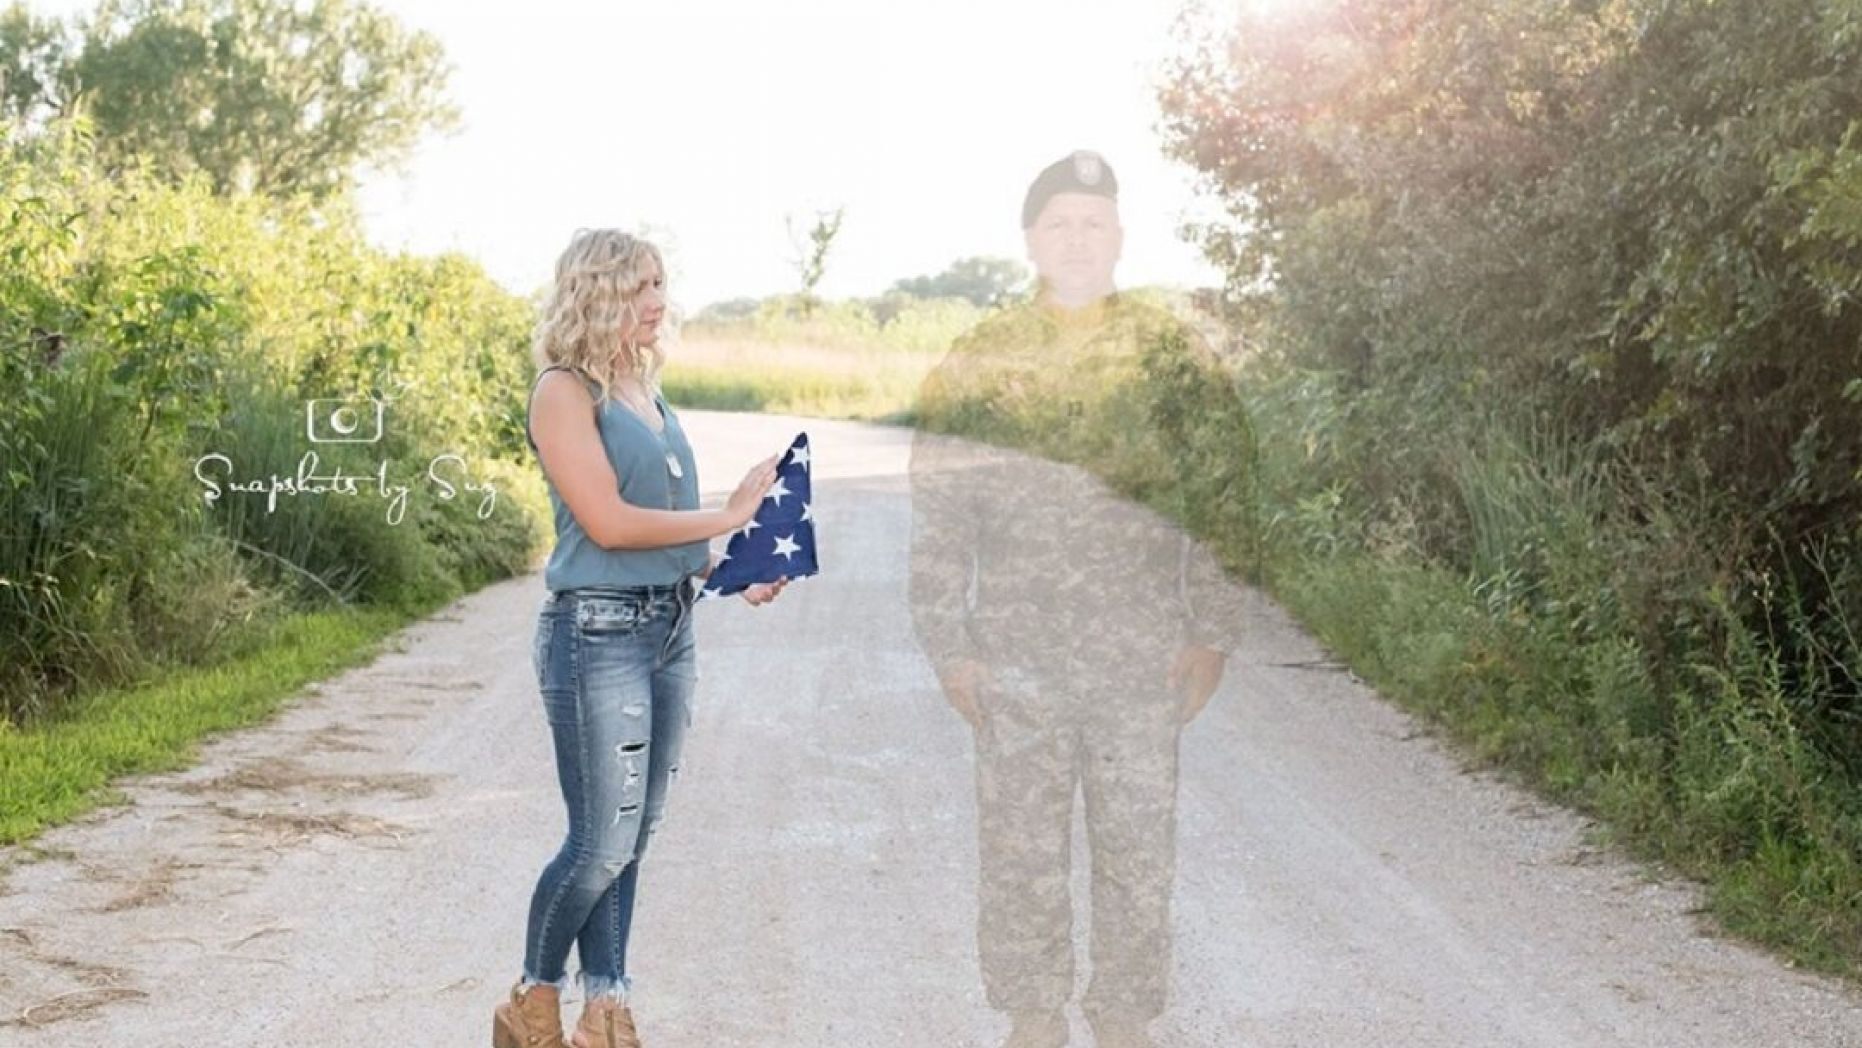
(644, 464)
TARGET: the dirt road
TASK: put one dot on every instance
(356, 873)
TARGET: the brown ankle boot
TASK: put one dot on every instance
(605, 1025)
(528, 1020)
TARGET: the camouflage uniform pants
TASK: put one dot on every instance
(1039, 741)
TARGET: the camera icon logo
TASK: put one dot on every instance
(343, 420)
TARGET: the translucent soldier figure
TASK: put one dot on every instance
(1074, 628)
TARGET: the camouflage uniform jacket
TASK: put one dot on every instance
(1030, 546)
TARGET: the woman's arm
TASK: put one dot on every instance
(562, 424)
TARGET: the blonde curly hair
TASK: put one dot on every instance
(590, 303)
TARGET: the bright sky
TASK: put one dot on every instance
(705, 122)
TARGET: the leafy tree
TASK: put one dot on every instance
(811, 252)
(982, 281)
(1633, 216)
(32, 61)
(144, 324)
(1634, 223)
(265, 96)
(731, 309)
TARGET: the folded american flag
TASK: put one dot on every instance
(780, 540)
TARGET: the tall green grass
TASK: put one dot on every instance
(1586, 634)
(896, 323)
(1553, 611)
(853, 359)
(144, 325)
(874, 384)
(98, 541)
(57, 770)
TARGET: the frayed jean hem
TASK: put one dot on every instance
(526, 981)
(619, 990)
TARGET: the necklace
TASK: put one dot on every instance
(673, 465)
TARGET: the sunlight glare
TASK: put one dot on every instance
(1279, 8)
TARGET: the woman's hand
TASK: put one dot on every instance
(763, 592)
(744, 501)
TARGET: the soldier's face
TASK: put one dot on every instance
(1074, 243)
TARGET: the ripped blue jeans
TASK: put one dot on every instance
(616, 667)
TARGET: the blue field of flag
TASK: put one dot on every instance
(780, 540)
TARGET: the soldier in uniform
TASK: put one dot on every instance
(1073, 626)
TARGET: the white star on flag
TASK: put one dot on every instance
(786, 515)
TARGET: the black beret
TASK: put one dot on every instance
(1082, 171)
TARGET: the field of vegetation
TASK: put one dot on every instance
(1548, 348)
(839, 362)
(1545, 328)
(1562, 418)
(238, 444)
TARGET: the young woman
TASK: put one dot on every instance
(614, 643)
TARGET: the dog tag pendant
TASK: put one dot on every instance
(672, 464)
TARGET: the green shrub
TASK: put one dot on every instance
(144, 325)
